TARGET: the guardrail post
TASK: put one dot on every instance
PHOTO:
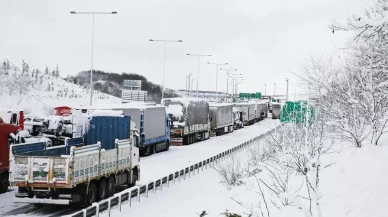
(108, 207)
(168, 181)
(161, 184)
(174, 177)
(97, 209)
(138, 193)
(198, 168)
(130, 201)
(119, 201)
(84, 212)
(155, 186)
(147, 189)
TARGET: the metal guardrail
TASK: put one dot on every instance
(136, 191)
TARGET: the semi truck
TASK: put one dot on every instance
(190, 120)
(85, 170)
(258, 108)
(153, 122)
(247, 111)
(221, 116)
(58, 124)
(238, 122)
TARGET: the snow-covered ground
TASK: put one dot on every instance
(38, 98)
(155, 166)
(354, 185)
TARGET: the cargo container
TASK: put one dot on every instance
(84, 170)
(221, 116)
(5, 131)
(190, 120)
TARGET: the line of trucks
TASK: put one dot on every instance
(79, 156)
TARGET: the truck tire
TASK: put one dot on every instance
(91, 197)
(4, 182)
(59, 130)
(111, 186)
(102, 189)
(167, 145)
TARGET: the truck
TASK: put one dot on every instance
(258, 109)
(238, 122)
(221, 117)
(264, 110)
(58, 124)
(190, 119)
(87, 169)
(153, 122)
(276, 108)
(5, 140)
(248, 112)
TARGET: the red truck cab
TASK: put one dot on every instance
(5, 141)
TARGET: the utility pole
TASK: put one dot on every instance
(287, 90)
(265, 89)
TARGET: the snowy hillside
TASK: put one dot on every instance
(38, 92)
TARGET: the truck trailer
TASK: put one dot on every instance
(190, 121)
(153, 122)
(221, 116)
(248, 112)
(276, 108)
(84, 170)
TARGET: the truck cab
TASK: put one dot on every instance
(5, 141)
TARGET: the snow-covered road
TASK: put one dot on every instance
(153, 167)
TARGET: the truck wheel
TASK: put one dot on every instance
(92, 194)
(4, 183)
(59, 130)
(167, 145)
(111, 186)
(102, 190)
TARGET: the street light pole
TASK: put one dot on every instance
(217, 64)
(198, 56)
(287, 90)
(91, 70)
(227, 77)
(274, 88)
(164, 58)
(188, 84)
(265, 89)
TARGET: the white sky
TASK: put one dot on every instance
(262, 39)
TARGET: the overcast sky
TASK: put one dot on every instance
(262, 39)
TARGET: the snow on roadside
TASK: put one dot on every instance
(353, 184)
(178, 157)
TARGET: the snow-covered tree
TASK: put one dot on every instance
(57, 72)
(368, 27)
(331, 84)
(46, 71)
(6, 67)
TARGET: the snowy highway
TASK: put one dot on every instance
(152, 167)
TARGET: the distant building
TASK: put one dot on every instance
(131, 91)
